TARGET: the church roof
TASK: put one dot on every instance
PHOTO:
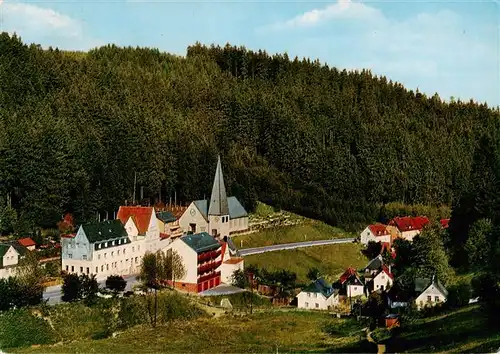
(236, 210)
(218, 200)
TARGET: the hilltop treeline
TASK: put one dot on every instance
(76, 127)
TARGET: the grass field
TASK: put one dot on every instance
(464, 330)
(261, 332)
(331, 260)
(308, 230)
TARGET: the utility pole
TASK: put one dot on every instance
(135, 180)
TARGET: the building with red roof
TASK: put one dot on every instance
(28, 243)
(407, 227)
(142, 217)
(376, 233)
(444, 223)
(350, 284)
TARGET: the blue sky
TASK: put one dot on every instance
(448, 47)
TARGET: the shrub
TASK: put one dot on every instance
(174, 306)
(19, 328)
(133, 311)
(458, 295)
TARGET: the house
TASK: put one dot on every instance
(113, 247)
(380, 281)
(231, 260)
(168, 225)
(444, 223)
(318, 296)
(220, 216)
(373, 267)
(430, 292)
(9, 258)
(407, 227)
(350, 284)
(28, 243)
(376, 233)
(202, 257)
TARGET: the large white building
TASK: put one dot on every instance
(318, 296)
(220, 216)
(113, 247)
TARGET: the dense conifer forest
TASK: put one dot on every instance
(335, 145)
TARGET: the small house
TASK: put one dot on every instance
(381, 281)
(430, 292)
(28, 243)
(407, 227)
(318, 296)
(375, 233)
(350, 284)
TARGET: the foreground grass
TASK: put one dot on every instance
(309, 230)
(464, 330)
(261, 332)
(331, 260)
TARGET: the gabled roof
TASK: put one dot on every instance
(421, 284)
(409, 223)
(236, 210)
(140, 215)
(218, 200)
(106, 230)
(166, 216)
(3, 249)
(20, 249)
(376, 263)
(26, 242)
(385, 269)
(201, 242)
(320, 286)
(378, 230)
(348, 274)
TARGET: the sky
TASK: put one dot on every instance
(448, 47)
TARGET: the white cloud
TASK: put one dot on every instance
(435, 51)
(44, 26)
(341, 10)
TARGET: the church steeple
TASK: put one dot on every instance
(218, 200)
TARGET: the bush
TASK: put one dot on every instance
(133, 311)
(459, 295)
(116, 283)
(172, 306)
(19, 328)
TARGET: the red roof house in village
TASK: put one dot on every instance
(407, 227)
(376, 233)
(28, 243)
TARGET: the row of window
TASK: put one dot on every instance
(112, 243)
(114, 265)
(84, 257)
(316, 305)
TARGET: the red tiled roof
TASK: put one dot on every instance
(68, 235)
(386, 270)
(445, 223)
(234, 260)
(26, 242)
(163, 236)
(223, 249)
(347, 274)
(378, 230)
(140, 215)
(409, 223)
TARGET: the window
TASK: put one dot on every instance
(317, 305)
(436, 298)
(126, 261)
(307, 304)
(355, 288)
(383, 277)
(315, 294)
(105, 255)
(138, 248)
(107, 266)
(308, 294)
(112, 253)
(124, 251)
(119, 242)
(81, 269)
(118, 252)
(77, 244)
(98, 256)
(96, 270)
(99, 245)
(67, 268)
(88, 270)
(133, 249)
(72, 268)
(429, 298)
(112, 243)
(105, 244)
(70, 256)
(84, 257)
(102, 268)
(136, 260)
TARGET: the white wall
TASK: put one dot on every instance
(189, 259)
(198, 219)
(315, 301)
(409, 235)
(355, 290)
(382, 280)
(367, 236)
(239, 224)
(433, 292)
(227, 270)
(11, 257)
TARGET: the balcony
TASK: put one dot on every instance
(209, 266)
(208, 255)
(208, 277)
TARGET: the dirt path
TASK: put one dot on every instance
(380, 347)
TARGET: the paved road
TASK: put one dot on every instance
(290, 246)
(53, 293)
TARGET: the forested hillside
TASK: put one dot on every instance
(75, 127)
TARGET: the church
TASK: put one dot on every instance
(221, 216)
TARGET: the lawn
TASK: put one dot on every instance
(263, 332)
(463, 330)
(308, 230)
(331, 260)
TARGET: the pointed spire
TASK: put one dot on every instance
(218, 201)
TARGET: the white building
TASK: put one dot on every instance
(9, 258)
(220, 216)
(432, 292)
(318, 296)
(382, 281)
(375, 233)
(407, 227)
(113, 247)
(350, 284)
